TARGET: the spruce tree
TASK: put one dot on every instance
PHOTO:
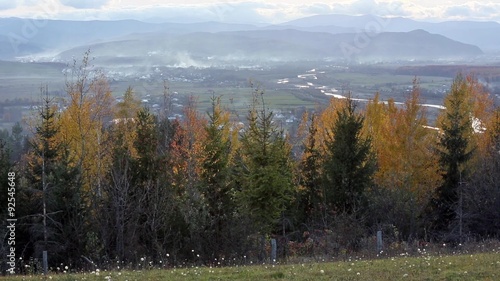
(455, 151)
(215, 182)
(310, 194)
(267, 172)
(349, 166)
(55, 199)
(66, 200)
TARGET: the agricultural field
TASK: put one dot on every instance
(286, 87)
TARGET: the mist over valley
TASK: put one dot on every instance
(360, 55)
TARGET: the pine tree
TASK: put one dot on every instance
(349, 166)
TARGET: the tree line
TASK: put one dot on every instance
(99, 181)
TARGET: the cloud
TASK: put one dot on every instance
(473, 11)
(279, 11)
(244, 12)
(458, 11)
(248, 11)
(87, 4)
(8, 4)
(318, 9)
(372, 7)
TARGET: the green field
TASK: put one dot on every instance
(484, 266)
(20, 86)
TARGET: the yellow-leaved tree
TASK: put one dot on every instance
(88, 108)
(404, 144)
(408, 170)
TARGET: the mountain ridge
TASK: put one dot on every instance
(480, 33)
(347, 29)
(281, 45)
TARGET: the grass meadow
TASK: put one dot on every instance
(422, 266)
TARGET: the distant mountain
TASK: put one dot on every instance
(60, 34)
(332, 19)
(11, 47)
(36, 36)
(481, 34)
(316, 37)
(418, 44)
(204, 49)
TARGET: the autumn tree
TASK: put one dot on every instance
(407, 167)
(187, 155)
(88, 108)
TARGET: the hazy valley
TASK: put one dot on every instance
(361, 54)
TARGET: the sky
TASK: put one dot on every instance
(253, 11)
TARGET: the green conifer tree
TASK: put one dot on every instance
(267, 170)
(310, 193)
(215, 182)
(349, 166)
(455, 151)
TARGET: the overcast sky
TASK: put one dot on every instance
(256, 11)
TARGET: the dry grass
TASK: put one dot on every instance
(421, 266)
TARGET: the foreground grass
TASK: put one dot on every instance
(485, 266)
